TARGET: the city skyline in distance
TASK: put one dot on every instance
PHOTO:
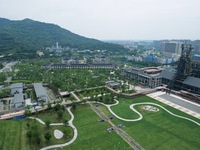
(113, 19)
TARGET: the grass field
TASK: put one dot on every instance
(93, 134)
(158, 130)
(13, 134)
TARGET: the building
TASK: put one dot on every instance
(150, 58)
(113, 84)
(170, 48)
(18, 100)
(148, 77)
(81, 66)
(39, 53)
(153, 77)
(100, 59)
(41, 93)
(16, 88)
(57, 48)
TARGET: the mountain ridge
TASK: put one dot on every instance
(28, 36)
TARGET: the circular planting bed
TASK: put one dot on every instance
(58, 134)
(150, 108)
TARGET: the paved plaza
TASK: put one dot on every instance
(177, 102)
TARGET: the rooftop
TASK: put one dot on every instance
(18, 98)
(39, 90)
(193, 81)
(16, 85)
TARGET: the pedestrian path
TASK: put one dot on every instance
(76, 97)
(140, 115)
(70, 123)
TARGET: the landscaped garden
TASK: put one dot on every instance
(157, 130)
(93, 134)
(28, 134)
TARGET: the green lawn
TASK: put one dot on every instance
(93, 134)
(123, 110)
(13, 134)
(158, 130)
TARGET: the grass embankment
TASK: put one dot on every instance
(157, 130)
(93, 134)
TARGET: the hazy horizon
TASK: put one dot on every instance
(113, 19)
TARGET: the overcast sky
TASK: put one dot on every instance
(113, 19)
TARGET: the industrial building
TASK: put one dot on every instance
(153, 77)
(186, 77)
(149, 77)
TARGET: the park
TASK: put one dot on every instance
(166, 128)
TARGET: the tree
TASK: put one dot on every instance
(29, 135)
(57, 107)
(42, 104)
(63, 107)
(38, 140)
(28, 124)
(65, 122)
(60, 114)
(27, 113)
(49, 105)
(36, 113)
(65, 131)
(47, 123)
(47, 136)
(84, 101)
(73, 105)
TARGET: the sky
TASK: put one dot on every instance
(113, 19)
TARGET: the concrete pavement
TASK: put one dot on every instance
(157, 96)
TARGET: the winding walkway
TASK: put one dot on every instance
(140, 115)
(70, 123)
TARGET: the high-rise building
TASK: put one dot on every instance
(171, 48)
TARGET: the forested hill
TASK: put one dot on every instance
(28, 36)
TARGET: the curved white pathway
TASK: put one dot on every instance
(70, 123)
(140, 115)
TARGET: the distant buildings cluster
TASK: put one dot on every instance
(56, 48)
(161, 51)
